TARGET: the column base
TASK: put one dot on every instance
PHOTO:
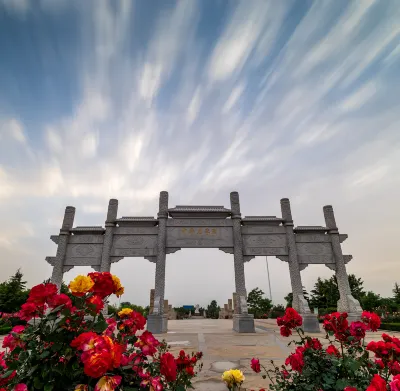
(157, 324)
(243, 323)
(353, 316)
(310, 323)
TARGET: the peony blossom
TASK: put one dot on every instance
(81, 285)
(147, 343)
(42, 293)
(395, 383)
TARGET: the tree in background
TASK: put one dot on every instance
(258, 305)
(213, 310)
(13, 293)
(371, 301)
(289, 298)
(396, 292)
(326, 292)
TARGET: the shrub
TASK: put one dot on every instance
(73, 347)
(390, 326)
(344, 365)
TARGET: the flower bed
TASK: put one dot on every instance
(69, 345)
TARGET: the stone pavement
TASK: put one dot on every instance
(224, 349)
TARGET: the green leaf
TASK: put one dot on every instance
(48, 387)
(100, 326)
(8, 373)
(44, 354)
(37, 383)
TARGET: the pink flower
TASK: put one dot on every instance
(395, 383)
(21, 387)
(255, 365)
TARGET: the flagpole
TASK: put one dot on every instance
(269, 281)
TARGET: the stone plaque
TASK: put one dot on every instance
(79, 239)
(204, 236)
(314, 248)
(312, 238)
(247, 230)
(264, 240)
(84, 250)
(265, 250)
(136, 230)
(82, 261)
(199, 223)
(133, 252)
(134, 241)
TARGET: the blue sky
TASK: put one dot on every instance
(298, 99)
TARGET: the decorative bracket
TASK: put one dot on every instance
(67, 268)
(248, 258)
(302, 266)
(115, 259)
(170, 250)
(151, 259)
(284, 258)
(54, 238)
(228, 250)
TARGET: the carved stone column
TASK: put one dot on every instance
(243, 322)
(58, 268)
(110, 224)
(108, 236)
(347, 303)
(158, 322)
(310, 321)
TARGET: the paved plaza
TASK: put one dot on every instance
(224, 349)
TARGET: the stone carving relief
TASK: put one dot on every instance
(199, 222)
(205, 236)
(89, 239)
(265, 251)
(84, 250)
(314, 248)
(136, 230)
(81, 261)
(134, 241)
(264, 240)
(312, 238)
(248, 230)
(133, 252)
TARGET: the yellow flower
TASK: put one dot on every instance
(233, 377)
(81, 285)
(81, 387)
(119, 289)
(124, 312)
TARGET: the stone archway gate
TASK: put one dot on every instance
(208, 227)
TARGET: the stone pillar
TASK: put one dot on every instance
(157, 322)
(152, 291)
(347, 303)
(310, 321)
(235, 303)
(243, 322)
(58, 268)
(108, 236)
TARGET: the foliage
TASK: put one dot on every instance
(259, 306)
(277, 311)
(345, 364)
(213, 310)
(289, 297)
(13, 293)
(396, 292)
(390, 326)
(65, 346)
(326, 292)
(371, 301)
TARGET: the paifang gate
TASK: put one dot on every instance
(208, 227)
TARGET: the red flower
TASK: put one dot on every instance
(285, 331)
(377, 384)
(372, 320)
(331, 349)
(395, 383)
(147, 343)
(313, 343)
(394, 367)
(29, 311)
(21, 387)
(168, 366)
(285, 374)
(255, 365)
(358, 329)
(85, 341)
(338, 324)
(103, 283)
(295, 360)
(97, 302)
(350, 389)
(190, 371)
(41, 294)
(61, 299)
(98, 364)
